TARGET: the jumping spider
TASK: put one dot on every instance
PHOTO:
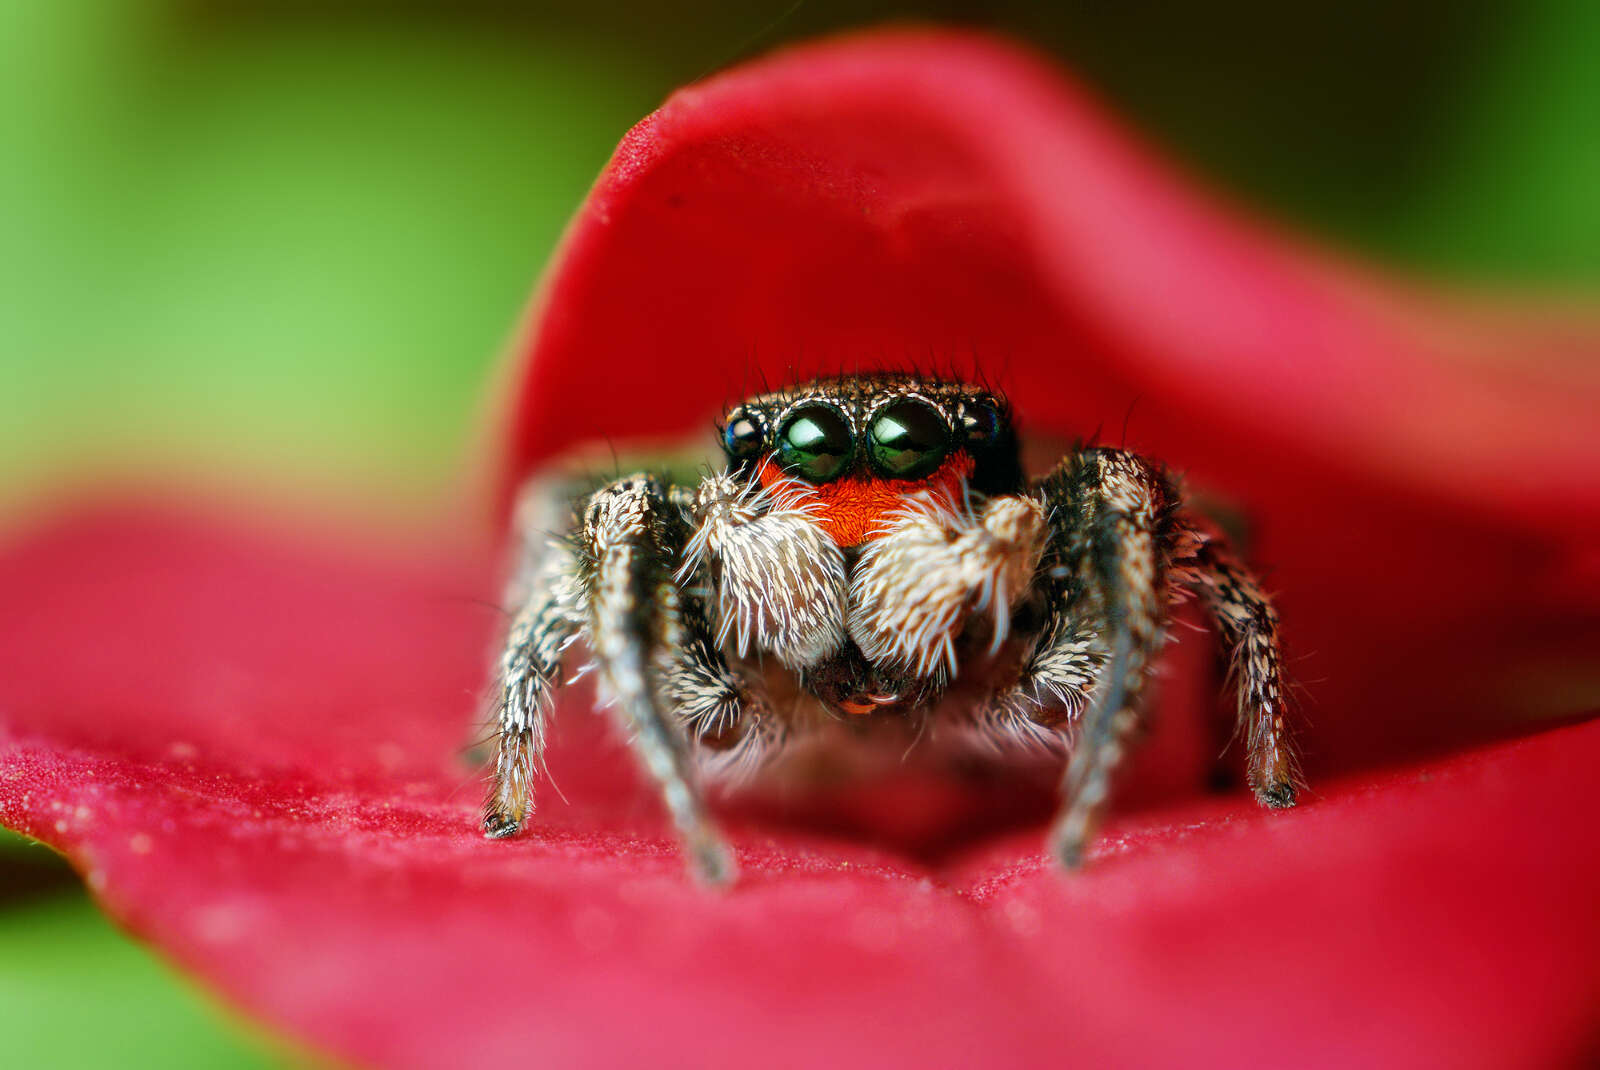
(873, 542)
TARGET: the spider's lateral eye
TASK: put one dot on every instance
(909, 439)
(980, 422)
(742, 438)
(815, 442)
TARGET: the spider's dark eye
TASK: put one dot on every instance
(909, 439)
(980, 423)
(741, 439)
(815, 442)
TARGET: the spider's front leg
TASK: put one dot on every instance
(631, 543)
(1119, 539)
(612, 578)
(1111, 515)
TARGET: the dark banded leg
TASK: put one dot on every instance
(1119, 505)
(1249, 625)
(544, 589)
(631, 540)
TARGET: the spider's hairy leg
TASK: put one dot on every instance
(1249, 625)
(916, 586)
(630, 540)
(544, 589)
(1116, 509)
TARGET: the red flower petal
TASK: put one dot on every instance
(247, 743)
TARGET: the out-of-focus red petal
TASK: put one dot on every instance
(245, 746)
(1422, 477)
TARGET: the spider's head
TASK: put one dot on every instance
(860, 445)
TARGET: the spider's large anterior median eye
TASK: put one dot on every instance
(815, 442)
(909, 439)
(742, 438)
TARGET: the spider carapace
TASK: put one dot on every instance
(873, 542)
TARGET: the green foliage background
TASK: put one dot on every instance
(278, 244)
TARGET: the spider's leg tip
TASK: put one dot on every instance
(500, 827)
(1069, 841)
(1279, 796)
(713, 864)
(1069, 854)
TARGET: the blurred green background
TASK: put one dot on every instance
(277, 245)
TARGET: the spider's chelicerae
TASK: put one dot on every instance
(873, 550)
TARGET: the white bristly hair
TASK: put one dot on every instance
(780, 579)
(914, 586)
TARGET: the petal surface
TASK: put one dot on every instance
(245, 744)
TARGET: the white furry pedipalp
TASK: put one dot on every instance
(914, 587)
(779, 578)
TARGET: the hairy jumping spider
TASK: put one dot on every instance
(874, 540)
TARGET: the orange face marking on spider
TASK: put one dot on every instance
(859, 507)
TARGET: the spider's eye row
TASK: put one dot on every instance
(980, 422)
(742, 438)
(909, 439)
(815, 442)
